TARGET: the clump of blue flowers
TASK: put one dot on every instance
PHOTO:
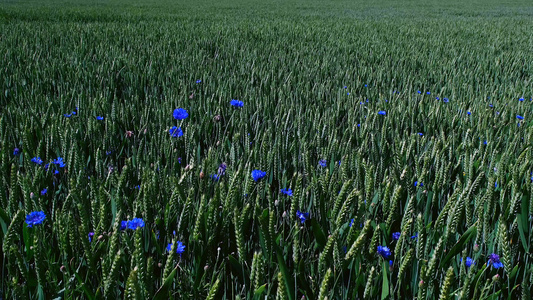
(236, 103)
(322, 163)
(180, 247)
(302, 216)
(494, 260)
(396, 236)
(384, 251)
(287, 192)
(180, 114)
(37, 160)
(175, 131)
(35, 218)
(222, 169)
(135, 223)
(258, 175)
(59, 161)
(469, 262)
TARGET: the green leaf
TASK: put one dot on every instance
(457, 248)
(320, 237)
(162, 293)
(259, 291)
(385, 286)
(513, 272)
(83, 286)
(523, 226)
(287, 277)
(237, 267)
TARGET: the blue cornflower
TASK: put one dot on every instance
(419, 92)
(416, 183)
(366, 85)
(35, 218)
(99, 118)
(496, 184)
(236, 103)
(345, 87)
(468, 113)
(74, 113)
(199, 81)
(420, 134)
(37, 160)
(179, 160)
(358, 125)
(469, 261)
(485, 142)
(494, 260)
(521, 99)
(123, 225)
(258, 174)
(287, 192)
(108, 152)
(428, 93)
(215, 177)
(351, 222)
(16, 151)
(519, 117)
(56, 172)
(415, 236)
(135, 223)
(445, 100)
(59, 161)
(396, 236)
(490, 105)
(138, 187)
(180, 114)
(180, 247)
(382, 112)
(91, 234)
(384, 251)
(391, 263)
(437, 98)
(43, 192)
(67, 115)
(175, 131)
(322, 163)
(348, 93)
(302, 216)
(222, 169)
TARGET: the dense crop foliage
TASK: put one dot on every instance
(323, 149)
